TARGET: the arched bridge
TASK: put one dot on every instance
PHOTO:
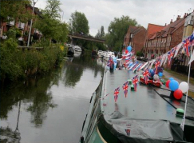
(88, 38)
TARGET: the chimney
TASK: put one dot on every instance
(171, 21)
(185, 15)
(178, 17)
(165, 24)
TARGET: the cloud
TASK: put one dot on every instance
(102, 12)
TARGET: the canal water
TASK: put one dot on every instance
(50, 108)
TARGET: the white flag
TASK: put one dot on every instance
(177, 48)
(152, 62)
(162, 59)
(165, 58)
(192, 58)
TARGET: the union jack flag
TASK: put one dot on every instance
(146, 74)
(127, 131)
(157, 64)
(116, 93)
(125, 88)
(170, 55)
(135, 80)
(187, 46)
(192, 39)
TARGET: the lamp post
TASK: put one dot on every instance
(31, 24)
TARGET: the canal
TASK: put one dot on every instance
(50, 108)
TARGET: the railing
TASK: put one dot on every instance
(30, 47)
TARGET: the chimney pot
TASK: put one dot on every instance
(178, 17)
(171, 21)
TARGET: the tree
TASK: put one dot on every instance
(117, 30)
(49, 23)
(78, 23)
(15, 10)
(100, 33)
(53, 8)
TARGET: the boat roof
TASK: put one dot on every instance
(146, 103)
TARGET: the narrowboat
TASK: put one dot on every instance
(147, 114)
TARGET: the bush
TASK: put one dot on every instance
(16, 63)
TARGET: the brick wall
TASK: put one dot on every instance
(138, 40)
(177, 37)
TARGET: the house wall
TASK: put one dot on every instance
(176, 37)
(138, 40)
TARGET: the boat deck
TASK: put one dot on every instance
(144, 103)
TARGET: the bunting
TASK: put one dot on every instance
(116, 93)
(146, 74)
(125, 88)
(135, 80)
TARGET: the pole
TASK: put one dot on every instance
(183, 123)
(31, 25)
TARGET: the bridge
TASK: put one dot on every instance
(88, 38)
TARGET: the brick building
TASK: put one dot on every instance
(135, 37)
(24, 27)
(151, 30)
(163, 40)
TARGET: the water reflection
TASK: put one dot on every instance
(26, 106)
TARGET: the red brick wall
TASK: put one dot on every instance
(138, 40)
(176, 37)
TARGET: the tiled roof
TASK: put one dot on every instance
(170, 28)
(133, 30)
(152, 29)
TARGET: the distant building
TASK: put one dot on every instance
(135, 37)
(188, 25)
(165, 38)
(188, 30)
(151, 30)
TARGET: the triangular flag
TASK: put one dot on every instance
(177, 48)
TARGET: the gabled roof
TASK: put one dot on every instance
(134, 30)
(170, 28)
(152, 29)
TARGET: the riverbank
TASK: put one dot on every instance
(19, 64)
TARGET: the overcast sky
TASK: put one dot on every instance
(102, 12)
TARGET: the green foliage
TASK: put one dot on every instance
(78, 23)
(100, 33)
(14, 33)
(9, 67)
(50, 25)
(14, 9)
(139, 53)
(52, 9)
(117, 30)
(16, 63)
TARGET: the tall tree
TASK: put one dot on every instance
(117, 30)
(53, 8)
(78, 23)
(49, 23)
(100, 33)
